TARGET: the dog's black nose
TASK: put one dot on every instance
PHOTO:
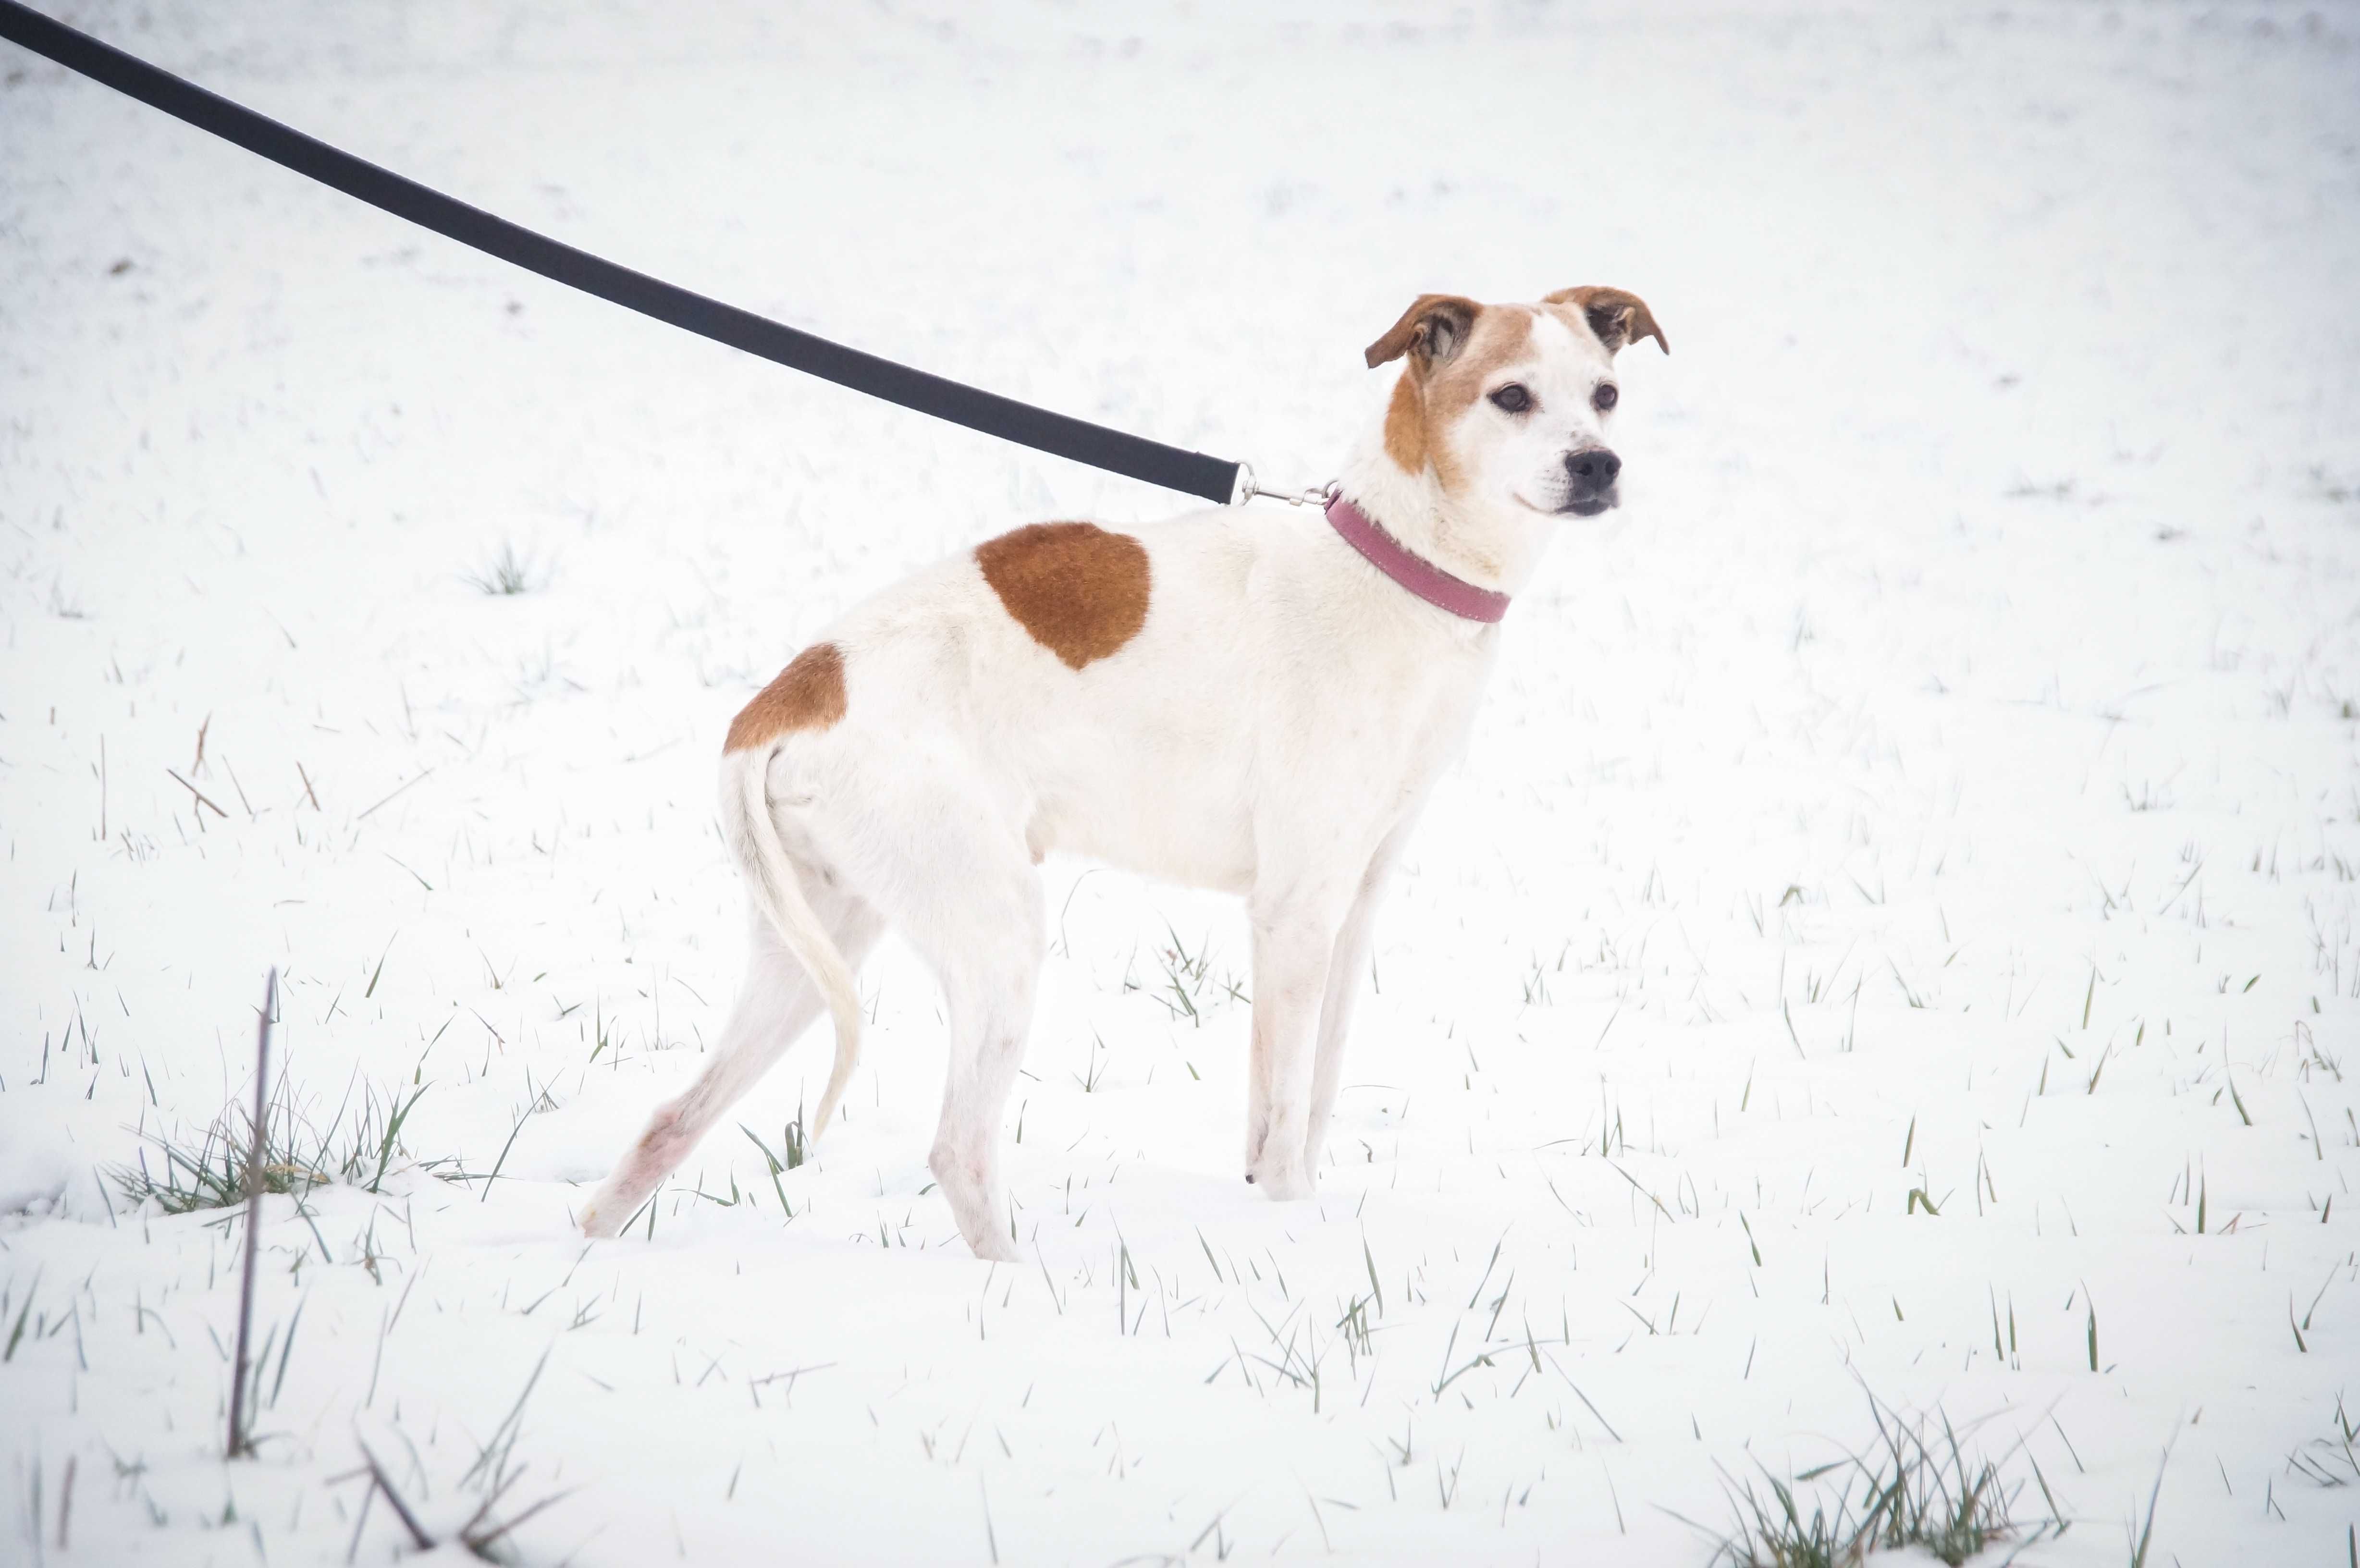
(1593, 471)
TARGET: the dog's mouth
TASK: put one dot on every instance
(1586, 506)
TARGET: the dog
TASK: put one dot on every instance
(1255, 704)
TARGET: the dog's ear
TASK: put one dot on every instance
(1619, 317)
(1431, 331)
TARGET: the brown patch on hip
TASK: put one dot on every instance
(1080, 591)
(808, 694)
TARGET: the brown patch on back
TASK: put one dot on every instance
(1079, 590)
(1429, 396)
(808, 694)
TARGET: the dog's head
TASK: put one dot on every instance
(1507, 405)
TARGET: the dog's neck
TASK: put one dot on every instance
(1489, 546)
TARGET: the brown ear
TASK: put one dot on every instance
(1619, 317)
(1431, 331)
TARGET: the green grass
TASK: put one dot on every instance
(792, 1151)
(488, 1530)
(1186, 977)
(2333, 1460)
(359, 1147)
(508, 574)
(1918, 1484)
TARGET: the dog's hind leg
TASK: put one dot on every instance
(776, 1002)
(958, 883)
(990, 986)
(985, 939)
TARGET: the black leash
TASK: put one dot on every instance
(1213, 478)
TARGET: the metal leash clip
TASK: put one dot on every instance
(1317, 496)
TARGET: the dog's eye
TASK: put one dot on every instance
(1605, 396)
(1512, 399)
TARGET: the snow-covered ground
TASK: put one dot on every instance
(1939, 779)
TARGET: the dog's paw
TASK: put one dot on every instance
(1283, 1184)
(598, 1226)
(994, 1247)
(605, 1214)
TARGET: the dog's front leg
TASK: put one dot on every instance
(1294, 944)
(1345, 966)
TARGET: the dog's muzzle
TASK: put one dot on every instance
(1590, 482)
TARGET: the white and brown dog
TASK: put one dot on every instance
(1256, 703)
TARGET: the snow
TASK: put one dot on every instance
(1939, 778)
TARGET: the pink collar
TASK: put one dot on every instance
(1413, 570)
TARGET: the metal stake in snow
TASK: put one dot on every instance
(240, 1441)
(1117, 451)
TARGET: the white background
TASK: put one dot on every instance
(1949, 749)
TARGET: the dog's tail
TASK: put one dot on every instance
(754, 838)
